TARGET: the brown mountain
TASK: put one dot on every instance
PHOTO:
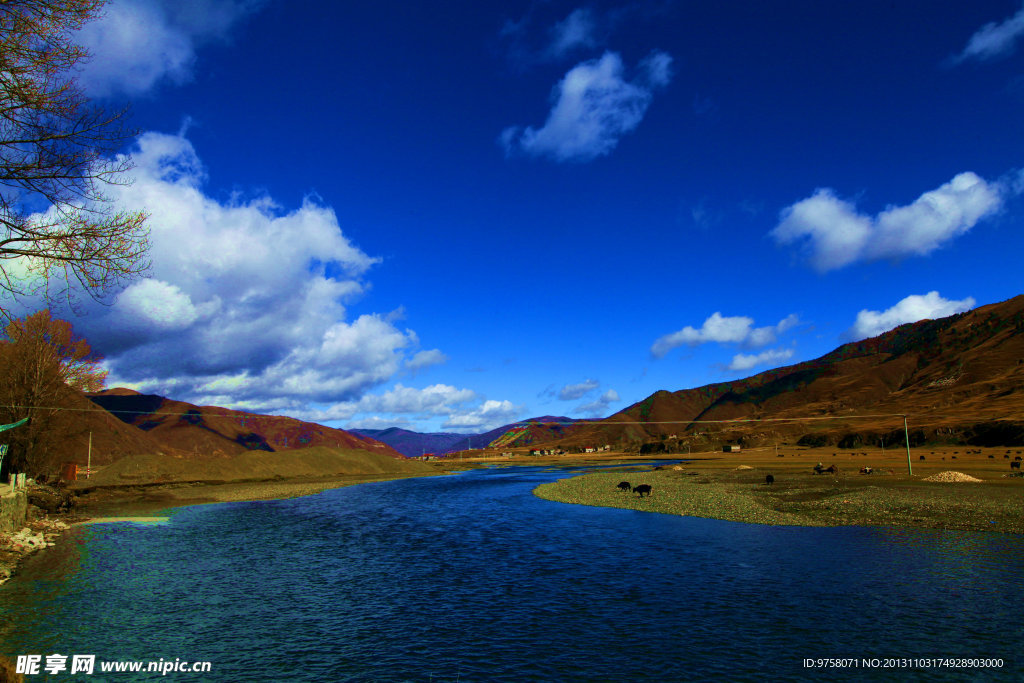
(212, 431)
(89, 434)
(958, 379)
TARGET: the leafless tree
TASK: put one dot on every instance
(41, 362)
(59, 230)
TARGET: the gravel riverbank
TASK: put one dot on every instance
(804, 498)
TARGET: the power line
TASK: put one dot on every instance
(142, 412)
(733, 421)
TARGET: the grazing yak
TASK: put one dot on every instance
(642, 489)
(1015, 465)
(769, 479)
(624, 486)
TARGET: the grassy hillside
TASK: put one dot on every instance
(317, 461)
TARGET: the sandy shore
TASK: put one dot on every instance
(733, 488)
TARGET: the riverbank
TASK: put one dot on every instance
(132, 500)
(110, 503)
(733, 488)
(36, 535)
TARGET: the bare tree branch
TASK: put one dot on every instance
(59, 231)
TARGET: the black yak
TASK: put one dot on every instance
(642, 489)
(769, 479)
(624, 486)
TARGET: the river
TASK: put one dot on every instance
(472, 578)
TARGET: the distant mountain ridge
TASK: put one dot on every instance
(414, 444)
(958, 378)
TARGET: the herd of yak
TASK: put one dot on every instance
(641, 489)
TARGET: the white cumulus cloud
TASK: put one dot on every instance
(994, 39)
(909, 310)
(835, 234)
(437, 399)
(746, 361)
(245, 305)
(156, 304)
(139, 43)
(724, 330)
(593, 107)
(490, 415)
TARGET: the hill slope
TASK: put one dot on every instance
(317, 461)
(958, 378)
(213, 431)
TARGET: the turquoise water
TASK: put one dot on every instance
(472, 578)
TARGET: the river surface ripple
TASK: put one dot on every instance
(472, 578)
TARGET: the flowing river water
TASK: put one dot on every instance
(472, 578)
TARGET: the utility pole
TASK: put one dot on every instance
(906, 433)
(88, 466)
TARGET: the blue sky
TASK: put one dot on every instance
(449, 216)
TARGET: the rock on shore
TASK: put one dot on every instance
(37, 535)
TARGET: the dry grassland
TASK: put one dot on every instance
(711, 485)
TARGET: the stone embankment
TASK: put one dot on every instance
(20, 537)
(13, 509)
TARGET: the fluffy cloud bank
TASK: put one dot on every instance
(434, 400)
(723, 330)
(139, 43)
(594, 106)
(245, 305)
(835, 234)
(908, 310)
